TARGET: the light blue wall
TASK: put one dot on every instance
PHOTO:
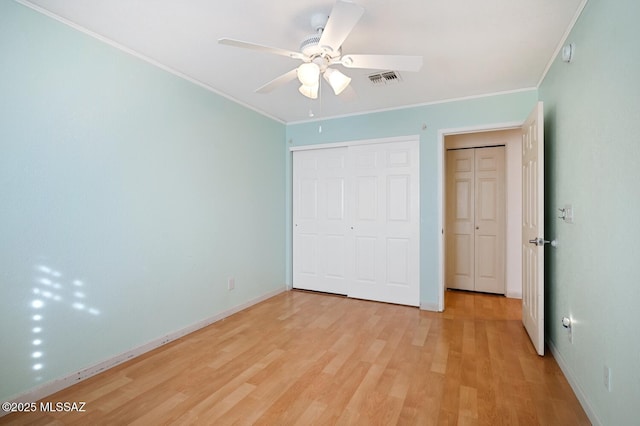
(125, 189)
(593, 154)
(479, 112)
(145, 189)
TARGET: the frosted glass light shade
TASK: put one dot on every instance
(310, 91)
(336, 80)
(308, 74)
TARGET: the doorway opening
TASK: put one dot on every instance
(477, 139)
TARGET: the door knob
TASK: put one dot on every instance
(541, 242)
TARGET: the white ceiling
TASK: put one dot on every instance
(469, 47)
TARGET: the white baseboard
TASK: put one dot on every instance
(568, 373)
(56, 385)
(429, 307)
(514, 294)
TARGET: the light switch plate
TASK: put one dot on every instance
(568, 213)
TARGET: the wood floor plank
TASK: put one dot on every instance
(308, 358)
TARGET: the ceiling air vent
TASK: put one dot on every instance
(384, 78)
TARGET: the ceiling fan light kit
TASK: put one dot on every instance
(310, 92)
(336, 80)
(308, 73)
(320, 51)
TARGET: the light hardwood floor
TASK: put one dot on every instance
(306, 358)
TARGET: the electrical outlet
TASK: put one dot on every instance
(607, 378)
(231, 283)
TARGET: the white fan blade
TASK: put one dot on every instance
(344, 16)
(278, 81)
(383, 62)
(261, 48)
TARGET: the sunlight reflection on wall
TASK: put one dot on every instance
(51, 288)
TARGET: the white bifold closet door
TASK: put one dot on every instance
(319, 220)
(356, 225)
(475, 237)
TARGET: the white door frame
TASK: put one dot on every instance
(408, 138)
(441, 189)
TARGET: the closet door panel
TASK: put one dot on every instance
(319, 220)
(460, 210)
(490, 220)
(386, 222)
(475, 219)
(356, 221)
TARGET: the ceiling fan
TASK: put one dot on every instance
(323, 49)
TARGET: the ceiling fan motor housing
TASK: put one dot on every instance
(311, 48)
(309, 45)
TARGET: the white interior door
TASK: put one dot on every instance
(385, 216)
(319, 220)
(356, 221)
(460, 255)
(533, 227)
(476, 219)
(490, 220)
